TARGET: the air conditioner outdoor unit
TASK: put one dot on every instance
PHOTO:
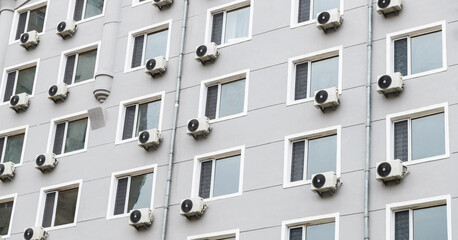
(66, 28)
(19, 102)
(162, 3)
(391, 170)
(391, 83)
(329, 19)
(199, 127)
(389, 6)
(156, 66)
(29, 39)
(207, 52)
(149, 139)
(326, 182)
(7, 171)
(193, 207)
(58, 92)
(35, 233)
(327, 98)
(141, 218)
(46, 162)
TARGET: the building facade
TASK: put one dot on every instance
(254, 169)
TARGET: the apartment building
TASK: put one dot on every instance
(283, 86)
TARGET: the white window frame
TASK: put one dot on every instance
(244, 74)
(417, 204)
(295, 13)
(311, 57)
(129, 173)
(78, 51)
(71, 10)
(412, 114)
(235, 151)
(138, 3)
(314, 134)
(217, 235)
(139, 100)
(310, 221)
(413, 32)
(68, 118)
(9, 198)
(166, 25)
(12, 132)
(18, 67)
(26, 8)
(225, 8)
(56, 188)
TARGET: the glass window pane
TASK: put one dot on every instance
(141, 189)
(37, 19)
(426, 52)
(76, 135)
(66, 207)
(6, 210)
(156, 44)
(86, 66)
(227, 176)
(93, 8)
(321, 155)
(324, 5)
(430, 223)
(232, 98)
(13, 149)
(148, 116)
(428, 136)
(324, 231)
(237, 24)
(401, 225)
(295, 233)
(25, 81)
(324, 74)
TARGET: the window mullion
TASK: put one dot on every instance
(304, 229)
(218, 100)
(75, 66)
(26, 27)
(16, 80)
(311, 10)
(56, 198)
(83, 13)
(409, 56)
(223, 33)
(2, 154)
(134, 129)
(309, 79)
(306, 149)
(126, 204)
(411, 237)
(145, 40)
(64, 139)
(409, 139)
(212, 182)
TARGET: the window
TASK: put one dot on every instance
(419, 135)
(80, 65)
(19, 80)
(12, 146)
(313, 72)
(231, 24)
(31, 18)
(324, 227)
(139, 114)
(133, 189)
(148, 43)
(85, 9)
(225, 97)
(219, 174)
(420, 219)
(223, 235)
(59, 205)
(310, 153)
(70, 134)
(7, 204)
(306, 10)
(418, 51)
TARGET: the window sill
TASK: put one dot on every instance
(18, 40)
(60, 227)
(429, 159)
(89, 19)
(241, 40)
(223, 197)
(228, 117)
(295, 24)
(8, 102)
(118, 142)
(309, 99)
(81, 83)
(111, 217)
(136, 3)
(425, 73)
(296, 184)
(71, 153)
(128, 70)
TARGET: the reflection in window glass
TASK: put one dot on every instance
(324, 5)
(76, 135)
(156, 45)
(428, 136)
(37, 19)
(141, 188)
(232, 98)
(430, 223)
(6, 210)
(86, 66)
(324, 74)
(93, 8)
(148, 116)
(324, 231)
(227, 175)
(237, 24)
(66, 207)
(426, 52)
(25, 80)
(321, 155)
(13, 151)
